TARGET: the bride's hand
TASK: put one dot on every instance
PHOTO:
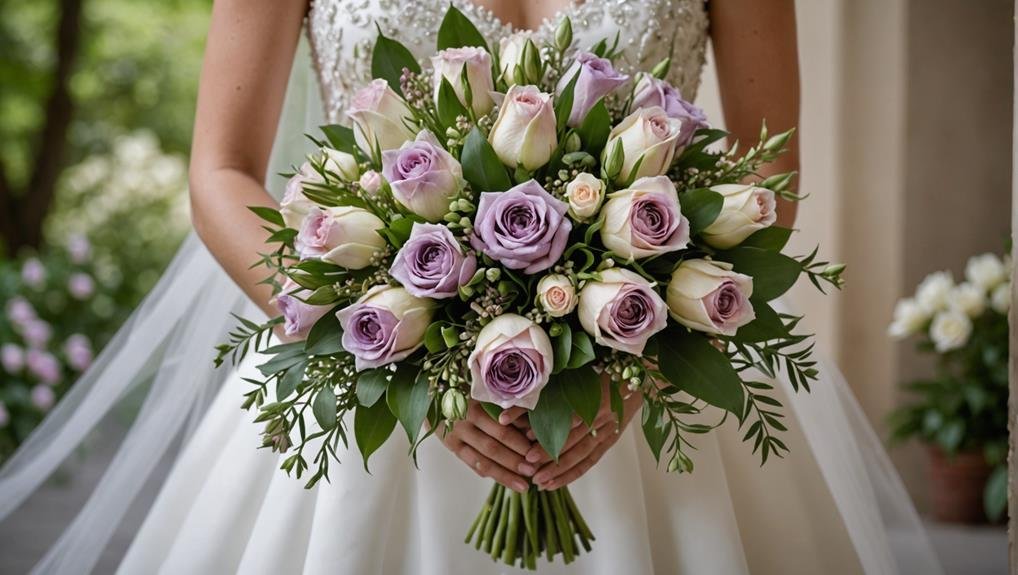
(491, 449)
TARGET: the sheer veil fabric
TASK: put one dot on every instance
(836, 502)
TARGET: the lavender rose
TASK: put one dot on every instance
(651, 92)
(522, 228)
(298, 317)
(432, 263)
(43, 397)
(708, 296)
(511, 362)
(78, 351)
(622, 310)
(423, 176)
(44, 366)
(644, 219)
(385, 325)
(597, 78)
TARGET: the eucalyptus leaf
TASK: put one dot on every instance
(289, 381)
(689, 361)
(372, 426)
(552, 419)
(481, 166)
(324, 408)
(582, 388)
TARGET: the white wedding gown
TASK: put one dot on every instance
(834, 505)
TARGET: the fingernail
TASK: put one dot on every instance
(541, 477)
(503, 419)
(533, 456)
(520, 486)
(531, 436)
(549, 486)
(526, 469)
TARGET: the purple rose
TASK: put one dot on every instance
(423, 176)
(511, 362)
(43, 398)
(522, 228)
(36, 333)
(81, 286)
(708, 296)
(432, 263)
(20, 311)
(298, 317)
(43, 366)
(385, 325)
(33, 273)
(597, 79)
(622, 310)
(12, 358)
(644, 220)
(78, 351)
(652, 92)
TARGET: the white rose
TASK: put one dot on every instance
(341, 164)
(450, 64)
(644, 220)
(934, 292)
(708, 296)
(584, 194)
(511, 362)
(746, 209)
(950, 330)
(556, 294)
(344, 235)
(909, 318)
(510, 55)
(524, 133)
(295, 206)
(371, 182)
(649, 138)
(969, 299)
(380, 118)
(621, 310)
(986, 271)
(1000, 299)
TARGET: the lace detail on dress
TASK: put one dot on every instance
(342, 33)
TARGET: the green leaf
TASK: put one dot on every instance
(324, 295)
(582, 352)
(595, 129)
(766, 327)
(773, 273)
(325, 337)
(995, 494)
(457, 30)
(449, 106)
(372, 425)
(773, 238)
(582, 388)
(283, 360)
(340, 138)
(388, 59)
(399, 231)
(324, 408)
(564, 103)
(701, 207)
(617, 404)
(491, 409)
(689, 361)
(268, 214)
(563, 345)
(408, 399)
(433, 340)
(371, 385)
(655, 428)
(950, 436)
(481, 166)
(552, 419)
(289, 381)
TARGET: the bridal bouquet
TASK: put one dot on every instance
(524, 227)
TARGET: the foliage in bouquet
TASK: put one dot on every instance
(525, 227)
(49, 332)
(963, 407)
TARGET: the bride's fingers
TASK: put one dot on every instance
(507, 435)
(497, 452)
(511, 415)
(485, 467)
(573, 455)
(579, 469)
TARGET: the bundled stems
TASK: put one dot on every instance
(517, 528)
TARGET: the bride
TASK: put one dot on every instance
(833, 505)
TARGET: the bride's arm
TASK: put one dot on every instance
(250, 49)
(757, 60)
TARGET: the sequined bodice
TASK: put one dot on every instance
(342, 33)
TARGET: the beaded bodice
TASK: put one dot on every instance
(342, 33)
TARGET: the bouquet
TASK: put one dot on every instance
(963, 408)
(524, 227)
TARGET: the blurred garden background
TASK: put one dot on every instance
(96, 113)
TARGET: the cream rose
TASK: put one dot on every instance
(511, 362)
(341, 164)
(909, 318)
(1000, 299)
(950, 330)
(379, 116)
(452, 63)
(621, 310)
(746, 209)
(708, 296)
(556, 294)
(934, 291)
(986, 271)
(385, 325)
(969, 299)
(510, 55)
(649, 139)
(345, 235)
(295, 206)
(644, 220)
(584, 195)
(524, 133)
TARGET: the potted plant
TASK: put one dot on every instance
(961, 412)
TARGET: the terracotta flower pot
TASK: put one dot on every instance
(956, 486)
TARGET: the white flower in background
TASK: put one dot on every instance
(969, 299)
(986, 271)
(1000, 299)
(934, 292)
(950, 330)
(909, 318)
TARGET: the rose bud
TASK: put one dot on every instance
(584, 194)
(524, 133)
(43, 397)
(649, 138)
(423, 176)
(651, 92)
(622, 310)
(379, 116)
(371, 182)
(597, 78)
(432, 263)
(450, 64)
(510, 55)
(556, 294)
(986, 271)
(708, 296)
(344, 235)
(385, 325)
(950, 330)
(511, 362)
(298, 317)
(295, 206)
(522, 228)
(746, 209)
(342, 164)
(644, 220)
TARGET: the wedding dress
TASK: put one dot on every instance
(833, 505)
